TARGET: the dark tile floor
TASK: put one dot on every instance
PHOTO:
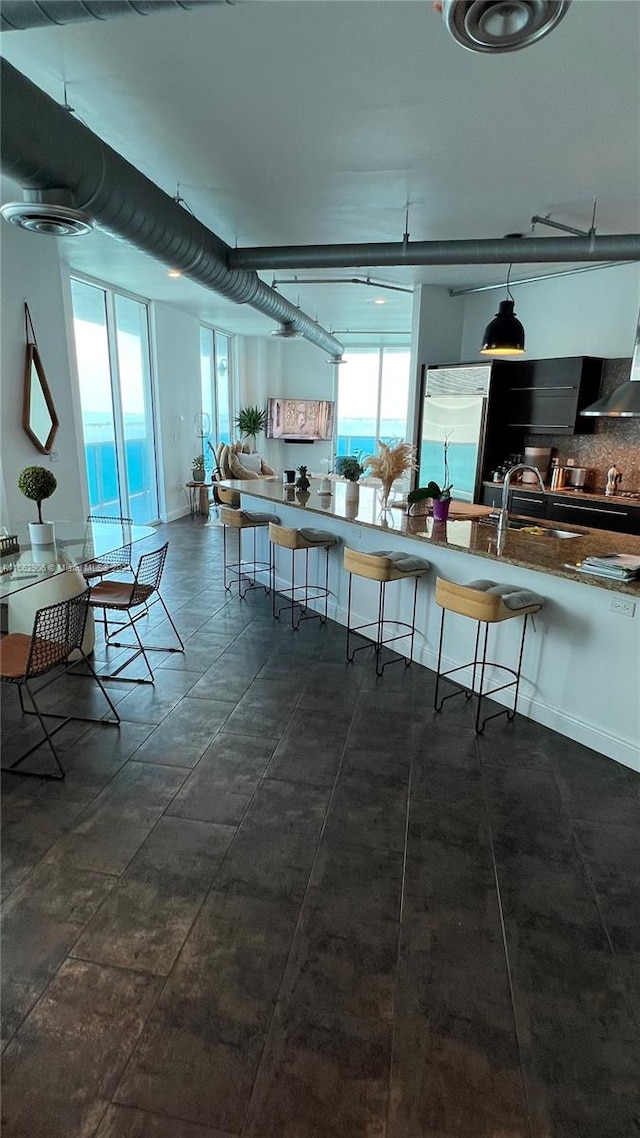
(285, 900)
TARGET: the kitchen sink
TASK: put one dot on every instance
(542, 530)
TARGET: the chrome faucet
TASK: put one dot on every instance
(503, 517)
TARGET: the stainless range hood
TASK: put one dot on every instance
(624, 402)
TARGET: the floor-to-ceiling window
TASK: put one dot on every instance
(373, 398)
(114, 371)
(216, 381)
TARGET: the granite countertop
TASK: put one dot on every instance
(467, 529)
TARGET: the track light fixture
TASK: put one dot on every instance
(504, 336)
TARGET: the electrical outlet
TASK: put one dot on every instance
(623, 608)
(54, 456)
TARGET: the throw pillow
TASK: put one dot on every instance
(251, 462)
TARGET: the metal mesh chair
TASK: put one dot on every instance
(119, 560)
(125, 598)
(58, 631)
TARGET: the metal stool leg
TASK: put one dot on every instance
(380, 629)
(409, 662)
(480, 728)
(438, 663)
(512, 714)
(350, 657)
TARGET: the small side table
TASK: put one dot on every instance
(198, 493)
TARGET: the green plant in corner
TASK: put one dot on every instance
(302, 482)
(198, 462)
(37, 483)
(251, 421)
(349, 466)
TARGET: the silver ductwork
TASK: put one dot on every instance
(19, 15)
(43, 147)
(491, 251)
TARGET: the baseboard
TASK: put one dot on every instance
(174, 515)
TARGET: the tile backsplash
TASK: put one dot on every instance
(613, 440)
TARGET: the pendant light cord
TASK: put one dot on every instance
(29, 330)
(509, 292)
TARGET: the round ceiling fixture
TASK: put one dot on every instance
(501, 25)
(51, 212)
(286, 332)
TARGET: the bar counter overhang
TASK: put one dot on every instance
(581, 674)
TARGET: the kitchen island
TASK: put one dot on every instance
(581, 673)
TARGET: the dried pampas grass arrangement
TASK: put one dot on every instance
(390, 462)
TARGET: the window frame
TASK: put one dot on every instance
(213, 379)
(370, 349)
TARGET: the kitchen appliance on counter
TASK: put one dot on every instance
(453, 407)
(539, 457)
(578, 477)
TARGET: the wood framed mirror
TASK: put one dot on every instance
(39, 419)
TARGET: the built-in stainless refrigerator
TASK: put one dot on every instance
(453, 407)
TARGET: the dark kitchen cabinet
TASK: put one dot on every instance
(543, 397)
(530, 503)
(616, 516)
(533, 505)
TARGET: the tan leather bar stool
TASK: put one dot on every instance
(486, 603)
(300, 595)
(243, 571)
(383, 567)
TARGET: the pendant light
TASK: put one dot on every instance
(504, 336)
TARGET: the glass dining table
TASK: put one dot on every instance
(32, 576)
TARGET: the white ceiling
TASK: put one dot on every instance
(318, 122)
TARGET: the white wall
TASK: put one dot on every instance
(269, 368)
(436, 331)
(176, 338)
(31, 271)
(588, 314)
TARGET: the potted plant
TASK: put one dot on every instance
(197, 473)
(302, 481)
(350, 467)
(37, 483)
(440, 495)
(251, 421)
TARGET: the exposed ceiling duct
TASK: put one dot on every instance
(490, 251)
(18, 15)
(494, 26)
(44, 147)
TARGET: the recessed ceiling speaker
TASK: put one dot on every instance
(52, 212)
(501, 25)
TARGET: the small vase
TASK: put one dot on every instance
(41, 533)
(351, 499)
(302, 496)
(385, 495)
(197, 475)
(441, 509)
